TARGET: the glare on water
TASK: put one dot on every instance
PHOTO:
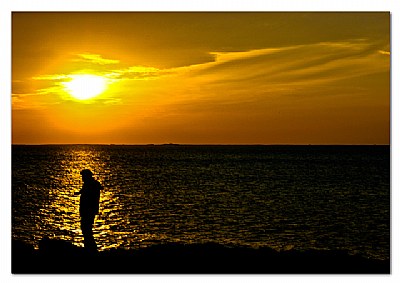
(61, 213)
(290, 197)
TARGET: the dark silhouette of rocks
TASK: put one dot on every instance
(61, 257)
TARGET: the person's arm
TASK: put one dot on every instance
(77, 193)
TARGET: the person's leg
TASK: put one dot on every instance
(86, 227)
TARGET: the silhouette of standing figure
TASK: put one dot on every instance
(89, 207)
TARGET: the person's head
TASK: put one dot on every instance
(86, 174)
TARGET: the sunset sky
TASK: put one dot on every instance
(201, 78)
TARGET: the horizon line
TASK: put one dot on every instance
(202, 144)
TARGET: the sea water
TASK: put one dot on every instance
(283, 197)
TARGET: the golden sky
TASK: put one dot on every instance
(201, 78)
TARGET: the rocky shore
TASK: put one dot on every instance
(61, 257)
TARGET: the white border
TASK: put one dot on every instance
(7, 6)
(204, 5)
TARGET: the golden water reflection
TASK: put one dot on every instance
(156, 195)
(62, 213)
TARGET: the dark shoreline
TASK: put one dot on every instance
(61, 257)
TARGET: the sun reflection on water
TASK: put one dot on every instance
(61, 214)
(156, 195)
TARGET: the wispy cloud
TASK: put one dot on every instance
(243, 75)
(384, 52)
(95, 59)
(253, 77)
(21, 101)
(315, 63)
(137, 73)
(54, 77)
(222, 57)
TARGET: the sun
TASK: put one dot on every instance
(84, 87)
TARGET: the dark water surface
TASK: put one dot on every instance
(284, 197)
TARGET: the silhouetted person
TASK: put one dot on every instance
(89, 207)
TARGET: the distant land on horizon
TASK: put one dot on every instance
(184, 144)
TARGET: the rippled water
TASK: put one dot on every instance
(283, 197)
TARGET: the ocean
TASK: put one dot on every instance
(283, 197)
